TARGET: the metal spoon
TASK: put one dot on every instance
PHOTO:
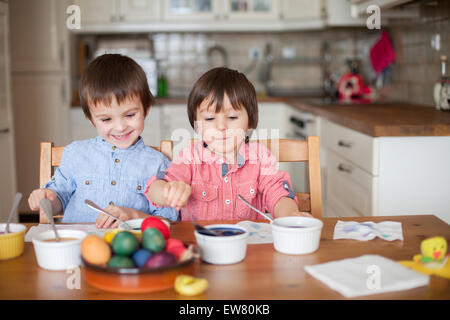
(201, 229)
(92, 205)
(16, 202)
(260, 212)
(46, 206)
(271, 220)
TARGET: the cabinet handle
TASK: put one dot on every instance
(344, 168)
(344, 144)
(61, 54)
(4, 131)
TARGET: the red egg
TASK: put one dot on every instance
(173, 243)
(153, 222)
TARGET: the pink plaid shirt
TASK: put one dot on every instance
(215, 186)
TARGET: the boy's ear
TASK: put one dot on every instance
(147, 111)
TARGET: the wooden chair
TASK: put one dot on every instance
(289, 150)
(51, 158)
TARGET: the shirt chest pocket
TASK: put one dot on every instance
(134, 195)
(248, 191)
(205, 196)
(89, 183)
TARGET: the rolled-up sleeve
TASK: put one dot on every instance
(273, 183)
(62, 182)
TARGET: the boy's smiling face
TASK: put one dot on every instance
(119, 124)
(223, 131)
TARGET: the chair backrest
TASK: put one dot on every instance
(51, 158)
(289, 150)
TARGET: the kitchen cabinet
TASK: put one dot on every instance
(338, 14)
(191, 10)
(301, 9)
(251, 10)
(359, 7)
(41, 113)
(8, 187)
(40, 83)
(383, 176)
(117, 11)
(40, 41)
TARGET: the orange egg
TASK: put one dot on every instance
(95, 250)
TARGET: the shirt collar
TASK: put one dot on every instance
(210, 157)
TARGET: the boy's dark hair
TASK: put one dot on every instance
(113, 75)
(219, 81)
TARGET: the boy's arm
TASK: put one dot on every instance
(287, 207)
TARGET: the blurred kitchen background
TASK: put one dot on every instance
(287, 48)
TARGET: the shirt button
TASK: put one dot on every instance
(114, 147)
(87, 182)
(113, 182)
(204, 193)
(139, 187)
(111, 203)
(226, 179)
(227, 201)
(116, 160)
(252, 191)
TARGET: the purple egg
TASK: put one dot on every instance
(160, 259)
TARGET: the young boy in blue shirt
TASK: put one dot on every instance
(112, 168)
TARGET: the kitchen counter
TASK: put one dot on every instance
(388, 119)
(382, 119)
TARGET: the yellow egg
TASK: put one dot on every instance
(95, 250)
(109, 235)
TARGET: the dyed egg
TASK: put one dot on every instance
(153, 240)
(160, 259)
(153, 222)
(120, 262)
(125, 243)
(173, 243)
(110, 234)
(95, 250)
(140, 257)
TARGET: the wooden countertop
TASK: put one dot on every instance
(390, 119)
(263, 274)
(383, 119)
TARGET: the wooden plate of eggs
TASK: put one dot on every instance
(136, 261)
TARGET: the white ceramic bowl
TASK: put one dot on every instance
(136, 223)
(58, 255)
(296, 240)
(222, 249)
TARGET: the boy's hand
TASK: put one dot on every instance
(104, 221)
(176, 194)
(302, 214)
(37, 195)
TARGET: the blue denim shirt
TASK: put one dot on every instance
(96, 170)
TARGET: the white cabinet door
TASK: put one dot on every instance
(191, 10)
(139, 10)
(301, 9)
(251, 9)
(41, 113)
(339, 14)
(97, 11)
(40, 41)
(8, 185)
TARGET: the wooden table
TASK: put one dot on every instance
(264, 273)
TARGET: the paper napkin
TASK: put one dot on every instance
(363, 231)
(366, 275)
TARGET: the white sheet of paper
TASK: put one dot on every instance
(89, 228)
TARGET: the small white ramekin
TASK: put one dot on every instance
(222, 249)
(296, 240)
(58, 255)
